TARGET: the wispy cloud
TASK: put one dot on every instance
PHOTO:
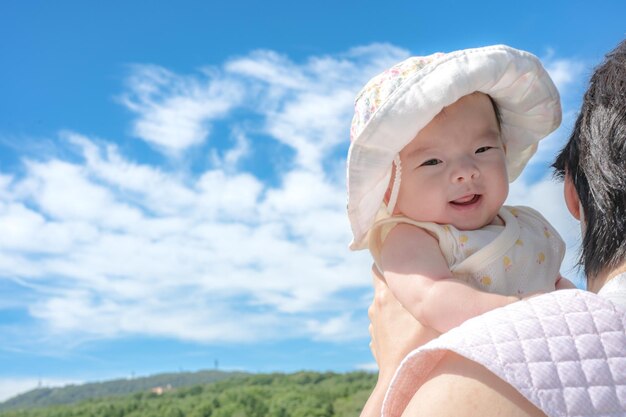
(565, 72)
(111, 247)
(228, 160)
(174, 112)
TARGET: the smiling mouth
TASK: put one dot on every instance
(466, 200)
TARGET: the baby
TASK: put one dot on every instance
(435, 142)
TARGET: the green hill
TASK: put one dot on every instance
(41, 397)
(302, 394)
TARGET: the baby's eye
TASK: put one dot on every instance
(431, 162)
(483, 149)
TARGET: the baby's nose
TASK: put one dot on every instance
(465, 171)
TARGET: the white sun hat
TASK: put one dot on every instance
(396, 104)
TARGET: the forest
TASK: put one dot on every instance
(302, 394)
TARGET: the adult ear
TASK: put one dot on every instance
(571, 197)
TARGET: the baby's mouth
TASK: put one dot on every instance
(466, 200)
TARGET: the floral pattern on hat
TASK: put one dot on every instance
(381, 87)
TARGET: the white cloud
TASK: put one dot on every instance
(230, 159)
(110, 247)
(565, 73)
(369, 367)
(306, 106)
(28, 231)
(63, 191)
(5, 180)
(341, 327)
(174, 112)
(313, 114)
(270, 67)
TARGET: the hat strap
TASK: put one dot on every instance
(395, 187)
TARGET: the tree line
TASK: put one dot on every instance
(302, 394)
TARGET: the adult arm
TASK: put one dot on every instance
(394, 333)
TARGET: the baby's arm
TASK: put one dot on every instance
(419, 277)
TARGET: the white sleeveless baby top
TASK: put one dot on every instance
(521, 257)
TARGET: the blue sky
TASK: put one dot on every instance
(172, 173)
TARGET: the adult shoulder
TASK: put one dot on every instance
(564, 352)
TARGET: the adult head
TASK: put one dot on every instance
(593, 164)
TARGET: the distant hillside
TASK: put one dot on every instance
(302, 394)
(70, 394)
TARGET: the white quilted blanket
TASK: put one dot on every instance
(565, 351)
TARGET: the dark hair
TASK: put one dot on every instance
(595, 159)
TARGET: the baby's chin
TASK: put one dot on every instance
(476, 224)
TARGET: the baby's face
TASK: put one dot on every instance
(454, 171)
